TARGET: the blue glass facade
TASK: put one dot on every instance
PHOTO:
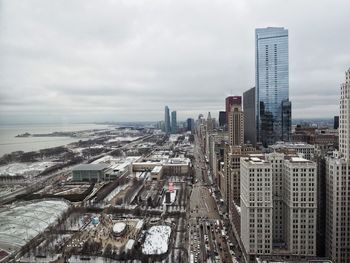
(173, 122)
(167, 124)
(273, 108)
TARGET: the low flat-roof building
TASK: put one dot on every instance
(89, 172)
(172, 166)
(157, 172)
(306, 150)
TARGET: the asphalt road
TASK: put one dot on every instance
(206, 242)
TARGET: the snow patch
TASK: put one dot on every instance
(156, 242)
(123, 139)
(24, 168)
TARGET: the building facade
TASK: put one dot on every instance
(304, 150)
(233, 154)
(336, 122)
(89, 173)
(173, 122)
(222, 119)
(273, 108)
(256, 207)
(190, 124)
(229, 101)
(249, 109)
(338, 186)
(278, 207)
(236, 125)
(167, 126)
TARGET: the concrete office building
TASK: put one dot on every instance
(273, 108)
(232, 171)
(210, 123)
(190, 124)
(256, 216)
(229, 101)
(338, 186)
(236, 125)
(304, 150)
(249, 109)
(167, 127)
(336, 122)
(222, 119)
(173, 122)
(278, 207)
(217, 142)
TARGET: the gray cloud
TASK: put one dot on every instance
(124, 60)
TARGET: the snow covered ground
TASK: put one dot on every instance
(21, 222)
(156, 242)
(123, 139)
(82, 259)
(24, 168)
(107, 159)
(174, 137)
(116, 191)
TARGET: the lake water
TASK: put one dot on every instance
(9, 143)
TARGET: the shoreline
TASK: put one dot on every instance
(46, 136)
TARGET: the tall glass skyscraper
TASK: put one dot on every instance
(273, 108)
(173, 122)
(167, 125)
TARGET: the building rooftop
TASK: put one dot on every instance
(119, 227)
(299, 160)
(255, 159)
(90, 167)
(157, 169)
(291, 145)
(23, 221)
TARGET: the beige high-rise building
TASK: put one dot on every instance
(236, 140)
(236, 125)
(232, 166)
(338, 186)
(278, 207)
(344, 118)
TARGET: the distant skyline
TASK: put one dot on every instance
(84, 61)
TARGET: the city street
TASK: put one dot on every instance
(208, 238)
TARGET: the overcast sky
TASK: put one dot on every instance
(63, 61)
